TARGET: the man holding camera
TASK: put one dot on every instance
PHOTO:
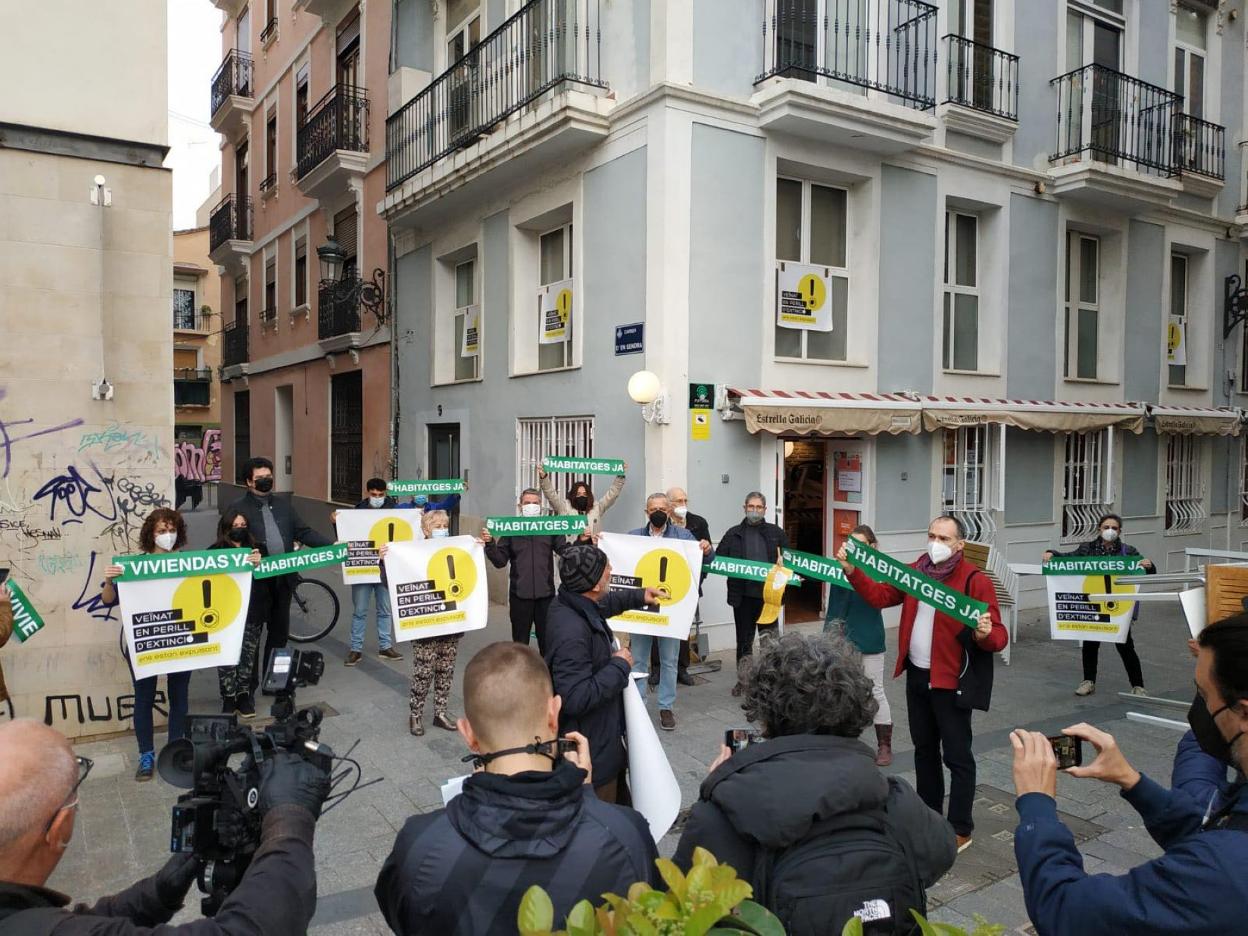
(41, 776)
(526, 816)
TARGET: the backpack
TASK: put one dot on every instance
(846, 866)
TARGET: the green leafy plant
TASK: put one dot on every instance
(710, 899)
(927, 928)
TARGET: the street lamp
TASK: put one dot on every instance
(332, 258)
(646, 389)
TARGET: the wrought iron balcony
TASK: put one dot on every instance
(186, 317)
(193, 374)
(1199, 147)
(234, 343)
(341, 304)
(230, 220)
(981, 77)
(881, 45)
(547, 43)
(338, 121)
(233, 79)
(1109, 117)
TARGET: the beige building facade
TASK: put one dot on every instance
(196, 301)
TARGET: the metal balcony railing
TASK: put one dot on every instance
(881, 45)
(1114, 118)
(338, 308)
(546, 43)
(188, 318)
(234, 343)
(1199, 147)
(232, 78)
(192, 374)
(269, 31)
(338, 121)
(230, 220)
(981, 77)
(268, 183)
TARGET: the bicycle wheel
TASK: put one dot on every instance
(313, 611)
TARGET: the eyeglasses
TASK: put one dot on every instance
(71, 801)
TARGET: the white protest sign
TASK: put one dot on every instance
(804, 298)
(185, 610)
(651, 781)
(556, 312)
(671, 565)
(471, 343)
(437, 587)
(1176, 341)
(365, 531)
(1073, 615)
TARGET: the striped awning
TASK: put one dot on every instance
(949, 412)
(1195, 420)
(816, 412)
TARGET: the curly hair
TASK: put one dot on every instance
(809, 685)
(147, 535)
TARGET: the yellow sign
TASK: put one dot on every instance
(563, 305)
(390, 530)
(667, 571)
(212, 601)
(700, 424)
(453, 573)
(812, 292)
(1106, 585)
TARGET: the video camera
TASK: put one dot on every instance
(218, 820)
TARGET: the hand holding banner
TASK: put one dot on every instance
(437, 587)
(817, 567)
(444, 486)
(612, 466)
(365, 531)
(668, 564)
(909, 581)
(535, 526)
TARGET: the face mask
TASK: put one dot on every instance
(377, 501)
(580, 502)
(530, 510)
(1109, 535)
(1208, 736)
(264, 485)
(166, 541)
(439, 533)
(420, 500)
(658, 519)
(681, 512)
(238, 535)
(938, 552)
(754, 516)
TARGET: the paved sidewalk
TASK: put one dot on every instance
(123, 827)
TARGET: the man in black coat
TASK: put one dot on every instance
(277, 526)
(532, 584)
(526, 817)
(589, 674)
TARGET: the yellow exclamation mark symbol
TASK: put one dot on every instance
(207, 620)
(390, 533)
(663, 586)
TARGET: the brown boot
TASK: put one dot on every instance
(743, 668)
(884, 745)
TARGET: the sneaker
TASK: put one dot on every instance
(147, 763)
(1138, 690)
(1087, 687)
(389, 654)
(667, 720)
(353, 658)
(245, 706)
(964, 842)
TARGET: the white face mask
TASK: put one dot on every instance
(439, 533)
(681, 512)
(166, 541)
(377, 501)
(530, 510)
(1109, 535)
(938, 551)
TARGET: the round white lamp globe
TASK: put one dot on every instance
(644, 387)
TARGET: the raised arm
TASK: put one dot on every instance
(553, 497)
(613, 492)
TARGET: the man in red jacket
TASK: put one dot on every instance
(948, 668)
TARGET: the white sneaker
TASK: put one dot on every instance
(1087, 687)
(1138, 690)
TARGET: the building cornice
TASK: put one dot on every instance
(81, 145)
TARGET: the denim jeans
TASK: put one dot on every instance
(178, 686)
(360, 595)
(669, 654)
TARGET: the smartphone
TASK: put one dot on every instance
(738, 739)
(4, 574)
(1069, 751)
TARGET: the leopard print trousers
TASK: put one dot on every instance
(433, 661)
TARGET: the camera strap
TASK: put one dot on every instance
(537, 747)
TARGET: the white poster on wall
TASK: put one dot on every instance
(1176, 341)
(803, 297)
(556, 312)
(365, 531)
(673, 566)
(437, 587)
(472, 332)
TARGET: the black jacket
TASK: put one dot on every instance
(587, 677)
(276, 895)
(288, 521)
(698, 526)
(461, 871)
(532, 561)
(732, 546)
(771, 793)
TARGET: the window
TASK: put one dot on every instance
(1185, 484)
(300, 263)
(1086, 483)
(960, 347)
(463, 28)
(811, 228)
(269, 310)
(563, 436)
(467, 315)
(241, 287)
(300, 112)
(346, 469)
(185, 315)
(1243, 480)
(269, 184)
(966, 480)
(1082, 305)
(555, 266)
(1190, 32)
(242, 432)
(1177, 333)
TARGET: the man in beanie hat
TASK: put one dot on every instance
(588, 673)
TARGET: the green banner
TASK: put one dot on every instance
(816, 567)
(302, 560)
(445, 486)
(748, 569)
(904, 578)
(611, 466)
(534, 526)
(182, 564)
(26, 620)
(1093, 565)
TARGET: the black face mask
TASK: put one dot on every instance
(658, 519)
(1208, 736)
(239, 535)
(264, 485)
(580, 502)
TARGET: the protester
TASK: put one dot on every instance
(525, 818)
(1109, 543)
(863, 626)
(41, 778)
(580, 500)
(276, 525)
(372, 592)
(681, 516)
(532, 579)
(805, 816)
(1197, 887)
(659, 526)
(6, 631)
(753, 538)
(948, 668)
(164, 531)
(589, 674)
(235, 682)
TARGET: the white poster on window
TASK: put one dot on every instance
(437, 587)
(556, 313)
(472, 332)
(364, 532)
(804, 297)
(1176, 341)
(674, 566)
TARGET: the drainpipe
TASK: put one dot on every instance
(394, 358)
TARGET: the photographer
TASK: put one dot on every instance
(41, 777)
(527, 816)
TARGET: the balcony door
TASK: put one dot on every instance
(242, 41)
(1191, 27)
(973, 21)
(346, 468)
(463, 19)
(241, 157)
(1094, 37)
(347, 70)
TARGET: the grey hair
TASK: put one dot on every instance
(426, 522)
(809, 685)
(534, 491)
(657, 495)
(43, 787)
(759, 494)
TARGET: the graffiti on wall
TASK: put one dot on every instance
(69, 708)
(13, 431)
(115, 439)
(201, 462)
